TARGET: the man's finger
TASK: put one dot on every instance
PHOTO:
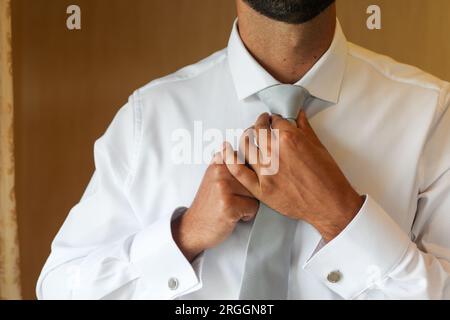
(217, 158)
(246, 177)
(249, 151)
(281, 124)
(303, 123)
(239, 189)
(302, 120)
(264, 137)
(247, 208)
(263, 131)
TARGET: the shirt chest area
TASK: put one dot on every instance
(176, 152)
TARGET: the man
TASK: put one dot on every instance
(357, 208)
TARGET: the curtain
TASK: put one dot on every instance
(9, 249)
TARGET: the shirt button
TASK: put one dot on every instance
(334, 277)
(173, 283)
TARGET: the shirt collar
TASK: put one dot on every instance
(323, 80)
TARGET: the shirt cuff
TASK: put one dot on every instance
(364, 253)
(165, 271)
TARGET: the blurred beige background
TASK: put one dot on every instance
(69, 84)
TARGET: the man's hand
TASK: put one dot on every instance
(221, 202)
(308, 185)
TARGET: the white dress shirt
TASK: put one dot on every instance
(386, 124)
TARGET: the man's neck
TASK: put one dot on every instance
(286, 51)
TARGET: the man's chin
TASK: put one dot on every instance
(290, 11)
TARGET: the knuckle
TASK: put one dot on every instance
(286, 136)
(216, 170)
(265, 116)
(213, 168)
(222, 203)
(248, 133)
(223, 186)
(238, 171)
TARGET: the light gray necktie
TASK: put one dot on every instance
(266, 273)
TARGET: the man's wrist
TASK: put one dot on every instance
(183, 237)
(332, 229)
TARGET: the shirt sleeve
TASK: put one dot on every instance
(373, 258)
(103, 250)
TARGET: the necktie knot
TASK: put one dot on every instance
(285, 100)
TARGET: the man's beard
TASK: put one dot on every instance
(290, 11)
